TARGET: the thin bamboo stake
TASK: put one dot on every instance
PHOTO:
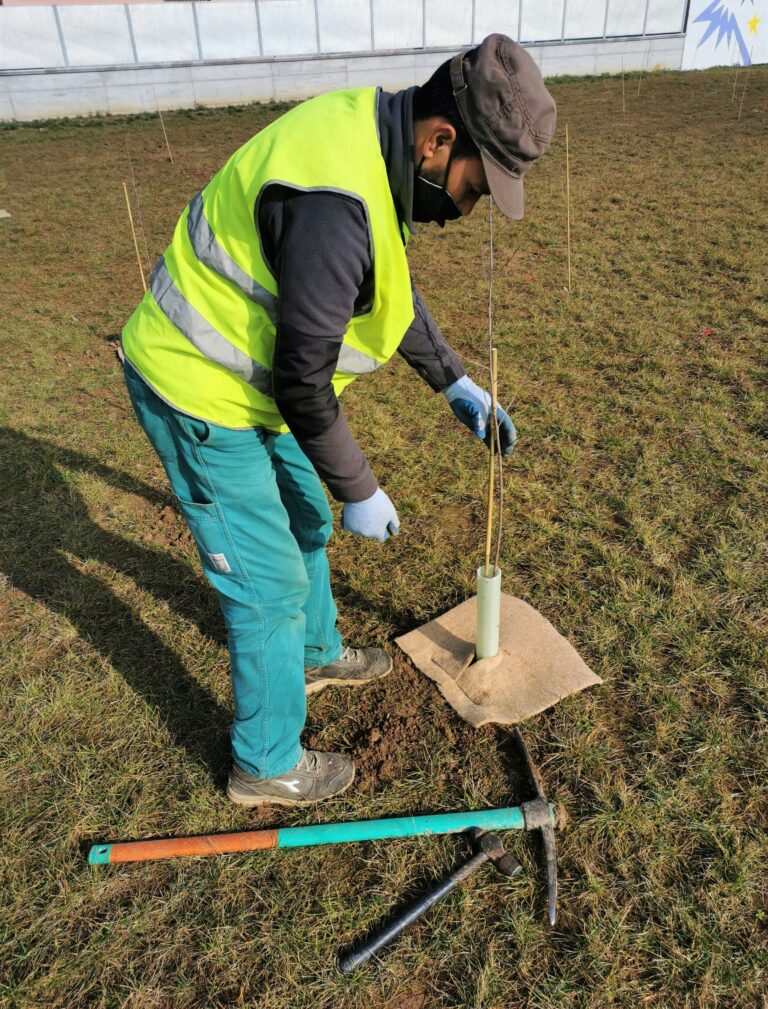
(735, 62)
(735, 80)
(489, 573)
(644, 66)
(138, 205)
(568, 201)
(162, 123)
(623, 92)
(133, 232)
(746, 81)
(499, 524)
(492, 416)
(494, 432)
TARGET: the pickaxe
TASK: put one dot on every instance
(535, 814)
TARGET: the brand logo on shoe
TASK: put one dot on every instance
(291, 785)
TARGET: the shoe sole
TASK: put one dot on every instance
(335, 681)
(251, 801)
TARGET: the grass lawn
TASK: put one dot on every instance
(635, 520)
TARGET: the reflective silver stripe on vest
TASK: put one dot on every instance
(207, 339)
(201, 334)
(211, 254)
(355, 362)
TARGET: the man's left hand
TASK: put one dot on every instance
(472, 405)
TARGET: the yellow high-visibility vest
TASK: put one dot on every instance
(204, 335)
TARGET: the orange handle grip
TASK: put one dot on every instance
(177, 847)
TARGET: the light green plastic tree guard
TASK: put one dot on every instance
(488, 613)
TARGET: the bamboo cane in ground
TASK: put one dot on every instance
(746, 81)
(568, 202)
(491, 468)
(644, 66)
(133, 232)
(139, 215)
(497, 431)
(162, 123)
(489, 576)
(736, 74)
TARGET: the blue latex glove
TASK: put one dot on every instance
(472, 405)
(375, 518)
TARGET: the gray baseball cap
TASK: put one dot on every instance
(507, 111)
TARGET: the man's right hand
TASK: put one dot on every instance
(375, 518)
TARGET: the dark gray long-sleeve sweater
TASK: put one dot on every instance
(317, 247)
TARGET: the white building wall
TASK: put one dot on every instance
(26, 96)
(75, 60)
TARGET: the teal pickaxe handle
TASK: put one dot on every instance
(529, 816)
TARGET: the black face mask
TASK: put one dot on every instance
(432, 202)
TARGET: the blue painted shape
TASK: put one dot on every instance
(722, 20)
(99, 854)
(510, 818)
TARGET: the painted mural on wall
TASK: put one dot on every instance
(726, 33)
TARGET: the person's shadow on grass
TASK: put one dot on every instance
(45, 521)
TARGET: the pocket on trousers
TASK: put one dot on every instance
(198, 430)
(214, 544)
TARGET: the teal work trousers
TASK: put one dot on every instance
(260, 518)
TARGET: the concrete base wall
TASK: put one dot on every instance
(48, 94)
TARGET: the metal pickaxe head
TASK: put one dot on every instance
(537, 817)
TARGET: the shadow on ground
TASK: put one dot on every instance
(46, 519)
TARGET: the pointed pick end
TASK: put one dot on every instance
(550, 853)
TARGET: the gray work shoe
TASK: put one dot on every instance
(353, 668)
(317, 776)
